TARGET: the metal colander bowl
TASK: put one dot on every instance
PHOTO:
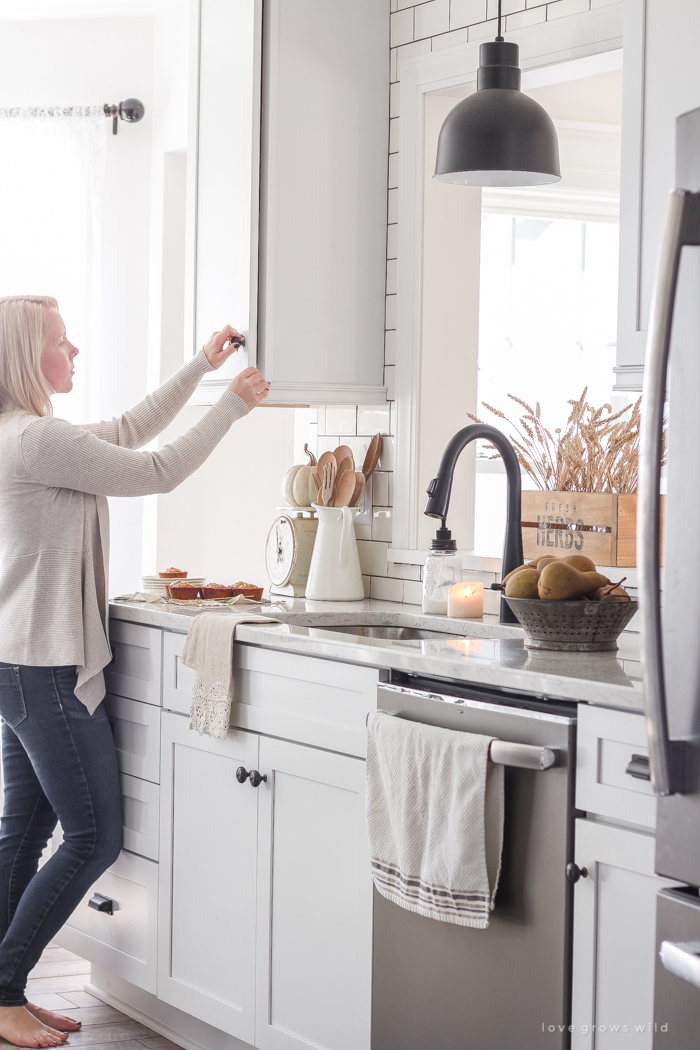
(573, 627)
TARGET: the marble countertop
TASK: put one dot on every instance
(477, 651)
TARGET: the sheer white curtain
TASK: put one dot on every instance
(52, 165)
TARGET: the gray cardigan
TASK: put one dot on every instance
(54, 518)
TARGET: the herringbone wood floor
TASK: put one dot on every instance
(57, 982)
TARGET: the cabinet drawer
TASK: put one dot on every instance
(135, 670)
(136, 729)
(124, 942)
(606, 742)
(177, 678)
(140, 816)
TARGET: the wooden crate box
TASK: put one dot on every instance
(601, 525)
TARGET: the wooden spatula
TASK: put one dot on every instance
(344, 489)
(360, 483)
(346, 463)
(327, 457)
(343, 452)
(372, 458)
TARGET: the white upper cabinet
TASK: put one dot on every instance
(660, 82)
(288, 193)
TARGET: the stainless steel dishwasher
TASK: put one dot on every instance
(438, 986)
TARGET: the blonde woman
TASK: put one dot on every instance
(58, 754)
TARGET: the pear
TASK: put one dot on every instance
(560, 581)
(545, 560)
(512, 573)
(523, 584)
(580, 562)
(614, 592)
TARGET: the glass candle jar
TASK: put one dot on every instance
(442, 569)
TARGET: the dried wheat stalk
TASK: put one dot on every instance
(597, 452)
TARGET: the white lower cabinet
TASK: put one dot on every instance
(122, 938)
(614, 938)
(314, 908)
(206, 919)
(265, 912)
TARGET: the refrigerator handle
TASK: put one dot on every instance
(682, 226)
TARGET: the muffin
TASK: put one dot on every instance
(183, 591)
(173, 574)
(216, 590)
(248, 590)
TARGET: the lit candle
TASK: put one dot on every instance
(465, 600)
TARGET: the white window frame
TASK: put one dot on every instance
(541, 47)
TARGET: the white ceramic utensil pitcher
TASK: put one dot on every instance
(334, 573)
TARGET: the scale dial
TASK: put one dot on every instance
(281, 550)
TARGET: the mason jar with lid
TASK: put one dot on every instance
(442, 569)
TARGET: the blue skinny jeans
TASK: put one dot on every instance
(59, 764)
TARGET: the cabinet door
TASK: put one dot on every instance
(314, 936)
(614, 939)
(223, 180)
(323, 202)
(660, 83)
(206, 917)
(135, 670)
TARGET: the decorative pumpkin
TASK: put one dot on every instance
(297, 486)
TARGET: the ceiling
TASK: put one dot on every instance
(31, 10)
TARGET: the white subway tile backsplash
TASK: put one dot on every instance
(363, 532)
(386, 590)
(321, 418)
(418, 47)
(390, 348)
(508, 7)
(391, 277)
(386, 459)
(466, 12)
(358, 447)
(526, 18)
(601, 3)
(393, 205)
(431, 18)
(394, 5)
(373, 557)
(390, 311)
(404, 572)
(394, 135)
(389, 382)
(392, 237)
(393, 170)
(367, 581)
(341, 419)
(402, 27)
(380, 496)
(327, 443)
(394, 96)
(457, 36)
(393, 65)
(483, 30)
(562, 8)
(381, 523)
(373, 419)
(412, 593)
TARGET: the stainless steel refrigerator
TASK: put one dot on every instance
(671, 616)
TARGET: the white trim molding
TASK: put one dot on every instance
(542, 48)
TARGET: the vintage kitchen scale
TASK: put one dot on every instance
(290, 543)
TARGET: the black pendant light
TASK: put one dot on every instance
(498, 136)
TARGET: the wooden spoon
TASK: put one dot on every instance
(315, 477)
(342, 452)
(372, 458)
(344, 464)
(360, 482)
(326, 458)
(344, 489)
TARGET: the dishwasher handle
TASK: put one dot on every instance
(682, 958)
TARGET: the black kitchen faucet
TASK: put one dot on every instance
(440, 489)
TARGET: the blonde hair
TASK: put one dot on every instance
(22, 337)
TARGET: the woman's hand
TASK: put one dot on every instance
(217, 351)
(251, 386)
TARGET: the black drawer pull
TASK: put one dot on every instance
(574, 873)
(638, 767)
(100, 903)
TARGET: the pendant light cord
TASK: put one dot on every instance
(499, 37)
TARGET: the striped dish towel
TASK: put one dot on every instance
(434, 819)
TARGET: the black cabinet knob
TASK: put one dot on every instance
(256, 778)
(574, 873)
(101, 903)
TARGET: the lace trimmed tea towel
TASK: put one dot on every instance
(209, 650)
(434, 819)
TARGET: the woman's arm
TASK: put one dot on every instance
(146, 420)
(61, 455)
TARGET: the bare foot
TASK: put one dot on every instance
(19, 1026)
(58, 1021)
